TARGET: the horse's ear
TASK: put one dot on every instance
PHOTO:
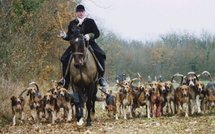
(76, 30)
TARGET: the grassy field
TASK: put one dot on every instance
(197, 124)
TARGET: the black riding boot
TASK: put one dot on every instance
(65, 61)
(64, 81)
(102, 81)
(100, 55)
(66, 76)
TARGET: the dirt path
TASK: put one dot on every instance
(201, 124)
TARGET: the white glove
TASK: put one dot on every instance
(87, 37)
(63, 34)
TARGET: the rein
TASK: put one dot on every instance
(83, 53)
(76, 53)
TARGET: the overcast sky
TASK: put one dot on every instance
(147, 19)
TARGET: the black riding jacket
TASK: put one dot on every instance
(87, 27)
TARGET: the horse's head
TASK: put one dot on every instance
(79, 48)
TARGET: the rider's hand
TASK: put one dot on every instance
(87, 37)
(62, 34)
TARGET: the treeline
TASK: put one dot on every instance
(30, 48)
(168, 55)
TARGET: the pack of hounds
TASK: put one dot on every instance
(152, 99)
(56, 104)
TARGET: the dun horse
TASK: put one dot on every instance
(83, 76)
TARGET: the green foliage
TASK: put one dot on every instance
(29, 6)
(23, 10)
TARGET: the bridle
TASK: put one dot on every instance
(84, 53)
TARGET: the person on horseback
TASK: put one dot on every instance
(90, 30)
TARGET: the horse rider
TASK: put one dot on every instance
(90, 31)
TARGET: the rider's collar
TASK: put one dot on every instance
(80, 21)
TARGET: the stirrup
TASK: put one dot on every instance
(62, 82)
(102, 83)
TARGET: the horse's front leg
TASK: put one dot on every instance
(93, 100)
(78, 100)
(89, 107)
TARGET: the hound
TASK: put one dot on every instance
(200, 94)
(17, 106)
(155, 99)
(50, 106)
(65, 101)
(163, 95)
(34, 98)
(182, 96)
(170, 97)
(143, 99)
(111, 105)
(124, 99)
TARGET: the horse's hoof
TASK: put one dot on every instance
(80, 122)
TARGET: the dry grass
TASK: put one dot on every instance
(7, 89)
(101, 123)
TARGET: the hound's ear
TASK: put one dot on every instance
(194, 80)
(203, 86)
(142, 88)
(67, 96)
(28, 93)
(21, 98)
(159, 85)
(51, 90)
(45, 96)
(189, 89)
(187, 81)
(44, 100)
(13, 98)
